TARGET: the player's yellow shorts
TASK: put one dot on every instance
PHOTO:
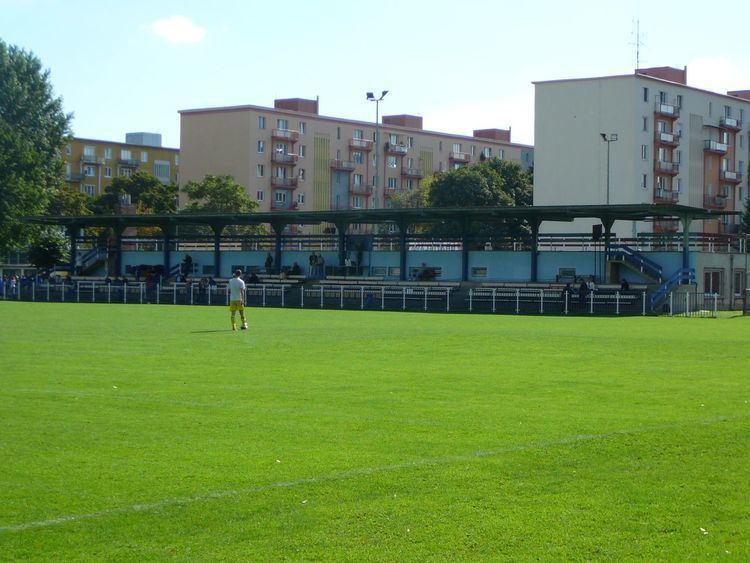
(236, 306)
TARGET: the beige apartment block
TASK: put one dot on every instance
(91, 164)
(674, 144)
(290, 157)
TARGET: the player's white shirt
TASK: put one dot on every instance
(236, 289)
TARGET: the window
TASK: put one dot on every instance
(259, 171)
(144, 156)
(177, 160)
(456, 147)
(302, 127)
(712, 281)
(662, 97)
(392, 139)
(644, 181)
(301, 198)
(107, 153)
(338, 132)
(280, 196)
(501, 153)
(261, 122)
(282, 124)
(357, 202)
(391, 162)
(89, 189)
(89, 151)
(739, 282)
(260, 195)
(409, 184)
(358, 134)
(742, 115)
(661, 183)
(440, 146)
(741, 141)
(727, 111)
(410, 163)
(663, 157)
(645, 94)
(410, 142)
(679, 100)
(301, 174)
(725, 137)
(645, 124)
(280, 172)
(678, 189)
(677, 156)
(487, 152)
(68, 149)
(126, 172)
(661, 126)
(126, 154)
(357, 157)
(456, 165)
(724, 164)
(302, 151)
(740, 166)
(392, 183)
(68, 169)
(644, 152)
(358, 179)
(261, 146)
(280, 148)
(161, 170)
(710, 108)
(89, 171)
(473, 150)
(107, 171)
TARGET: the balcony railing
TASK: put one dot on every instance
(285, 134)
(338, 164)
(665, 138)
(283, 182)
(129, 162)
(460, 156)
(361, 144)
(283, 205)
(412, 172)
(715, 146)
(730, 123)
(90, 159)
(360, 189)
(665, 196)
(666, 225)
(667, 167)
(396, 149)
(729, 228)
(714, 201)
(731, 176)
(73, 177)
(670, 110)
(283, 158)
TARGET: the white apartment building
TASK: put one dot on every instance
(675, 144)
(291, 158)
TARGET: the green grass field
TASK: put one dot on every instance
(153, 432)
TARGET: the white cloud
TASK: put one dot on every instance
(717, 75)
(177, 29)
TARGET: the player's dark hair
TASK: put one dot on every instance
(238, 272)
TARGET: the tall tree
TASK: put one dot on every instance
(220, 194)
(33, 128)
(50, 248)
(67, 200)
(145, 192)
(745, 223)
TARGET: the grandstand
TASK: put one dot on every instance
(405, 269)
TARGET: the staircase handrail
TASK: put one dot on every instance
(629, 252)
(680, 277)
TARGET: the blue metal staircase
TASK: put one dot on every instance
(636, 261)
(682, 276)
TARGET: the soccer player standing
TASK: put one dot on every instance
(236, 291)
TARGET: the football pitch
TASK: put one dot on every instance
(132, 432)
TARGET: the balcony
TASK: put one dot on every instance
(283, 158)
(715, 147)
(129, 162)
(290, 183)
(347, 165)
(666, 167)
(361, 189)
(90, 159)
(73, 177)
(665, 196)
(668, 110)
(666, 225)
(731, 176)
(396, 148)
(412, 173)
(360, 144)
(285, 135)
(730, 123)
(669, 139)
(460, 156)
(714, 201)
(729, 228)
(283, 205)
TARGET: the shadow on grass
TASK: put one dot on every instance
(209, 331)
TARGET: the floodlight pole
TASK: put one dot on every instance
(609, 140)
(376, 182)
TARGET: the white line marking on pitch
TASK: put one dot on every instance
(146, 507)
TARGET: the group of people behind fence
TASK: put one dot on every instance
(317, 266)
(585, 288)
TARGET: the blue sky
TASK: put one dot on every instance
(461, 64)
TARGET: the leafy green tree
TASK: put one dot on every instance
(68, 201)
(33, 129)
(468, 186)
(144, 191)
(50, 248)
(217, 194)
(516, 183)
(745, 224)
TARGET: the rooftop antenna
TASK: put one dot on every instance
(638, 43)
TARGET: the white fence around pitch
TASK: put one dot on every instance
(693, 304)
(546, 301)
(390, 297)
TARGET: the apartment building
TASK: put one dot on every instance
(91, 164)
(290, 157)
(646, 137)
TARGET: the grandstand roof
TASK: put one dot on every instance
(555, 213)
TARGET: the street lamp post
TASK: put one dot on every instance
(609, 140)
(376, 183)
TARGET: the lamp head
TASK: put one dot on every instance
(604, 136)
(370, 96)
(383, 94)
